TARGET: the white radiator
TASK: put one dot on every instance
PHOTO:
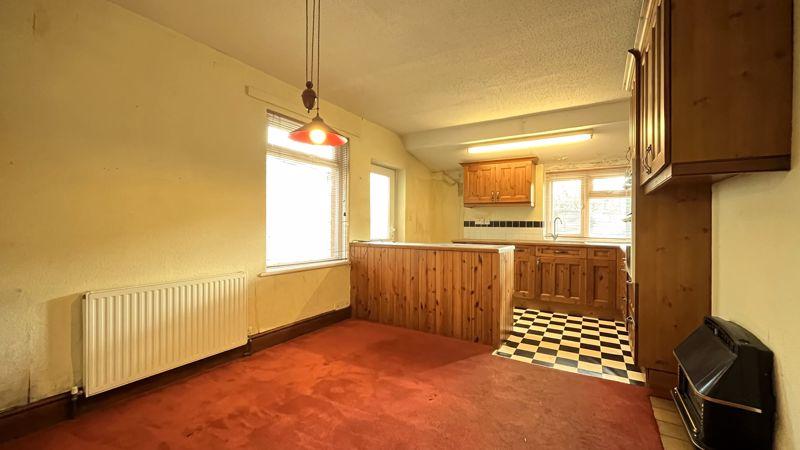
(133, 333)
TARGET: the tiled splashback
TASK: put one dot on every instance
(503, 229)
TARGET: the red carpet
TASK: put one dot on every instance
(364, 385)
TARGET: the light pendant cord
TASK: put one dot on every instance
(313, 32)
(308, 78)
(312, 50)
(319, 29)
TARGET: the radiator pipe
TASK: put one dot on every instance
(248, 348)
(76, 393)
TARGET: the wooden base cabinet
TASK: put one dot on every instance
(601, 281)
(524, 272)
(569, 278)
(561, 279)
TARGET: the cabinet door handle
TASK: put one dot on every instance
(537, 262)
(647, 167)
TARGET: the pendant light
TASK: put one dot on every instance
(317, 132)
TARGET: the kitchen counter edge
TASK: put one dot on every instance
(456, 246)
(542, 242)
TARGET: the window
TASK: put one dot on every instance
(381, 203)
(590, 204)
(306, 198)
(567, 198)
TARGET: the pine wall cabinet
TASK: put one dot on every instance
(715, 90)
(505, 182)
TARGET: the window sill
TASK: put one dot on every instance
(303, 267)
(586, 240)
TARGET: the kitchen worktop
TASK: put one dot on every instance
(565, 242)
(495, 247)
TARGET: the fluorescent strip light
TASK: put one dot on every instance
(530, 143)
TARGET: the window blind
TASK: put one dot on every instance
(306, 199)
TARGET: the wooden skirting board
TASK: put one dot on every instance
(46, 412)
(661, 382)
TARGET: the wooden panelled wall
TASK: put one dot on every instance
(464, 294)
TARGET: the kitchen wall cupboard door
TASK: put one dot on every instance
(560, 279)
(655, 154)
(524, 273)
(506, 182)
(480, 183)
(705, 70)
(601, 280)
(661, 156)
(514, 181)
(643, 131)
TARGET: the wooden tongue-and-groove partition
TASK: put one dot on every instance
(459, 291)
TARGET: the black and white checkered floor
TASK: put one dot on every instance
(585, 345)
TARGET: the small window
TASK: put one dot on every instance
(589, 204)
(609, 184)
(306, 198)
(381, 203)
(606, 217)
(567, 201)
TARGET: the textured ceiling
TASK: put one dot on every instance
(445, 148)
(607, 144)
(419, 64)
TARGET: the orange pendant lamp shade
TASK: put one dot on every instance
(317, 132)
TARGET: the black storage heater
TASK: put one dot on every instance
(724, 394)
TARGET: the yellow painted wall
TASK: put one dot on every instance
(131, 154)
(448, 205)
(756, 263)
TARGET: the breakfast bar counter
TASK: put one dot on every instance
(457, 290)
